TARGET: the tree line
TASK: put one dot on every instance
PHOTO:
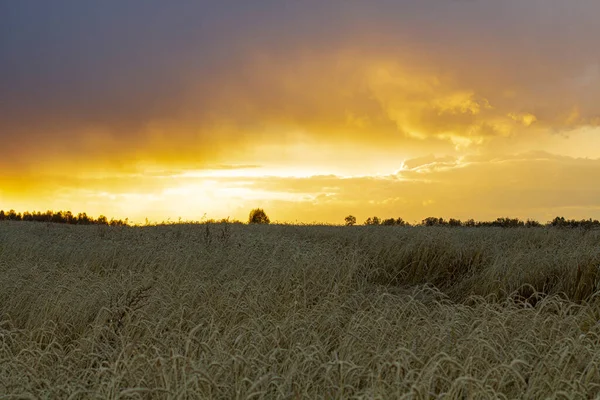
(258, 216)
(60, 217)
(503, 222)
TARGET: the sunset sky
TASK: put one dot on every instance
(312, 110)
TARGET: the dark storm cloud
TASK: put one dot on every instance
(163, 80)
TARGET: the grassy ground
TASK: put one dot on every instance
(236, 312)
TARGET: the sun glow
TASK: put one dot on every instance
(310, 132)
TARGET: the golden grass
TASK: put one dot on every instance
(240, 312)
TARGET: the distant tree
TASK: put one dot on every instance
(470, 223)
(561, 222)
(558, 222)
(401, 222)
(69, 217)
(508, 222)
(57, 217)
(83, 219)
(37, 216)
(454, 222)
(350, 220)
(432, 221)
(388, 222)
(589, 223)
(13, 216)
(117, 222)
(258, 216)
(373, 221)
(60, 217)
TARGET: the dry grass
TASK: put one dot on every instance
(237, 312)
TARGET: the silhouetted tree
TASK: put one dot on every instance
(558, 221)
(118, 222)
(391, 222)
(373, 221)
(258, 216)
(401, 222)
(388, 222)
(13, 216)
(56, 217)
(454, 222)
(589, 223)
(60, 217)
(508, 223)
(433, 221)
(83, 219)
(561, 222)
(69, 218)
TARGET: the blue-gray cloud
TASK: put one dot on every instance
(68, 67)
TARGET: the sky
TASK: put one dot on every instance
(312, 110)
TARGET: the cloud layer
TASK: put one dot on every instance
(530, 185)
(111, 89)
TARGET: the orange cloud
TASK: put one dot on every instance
(531, 185)
(345, 89)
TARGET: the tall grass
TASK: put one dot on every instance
(236, 312)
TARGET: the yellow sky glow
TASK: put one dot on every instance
(457, 120)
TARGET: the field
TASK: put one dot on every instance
(230, 311)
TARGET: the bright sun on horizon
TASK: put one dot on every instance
(311, 111)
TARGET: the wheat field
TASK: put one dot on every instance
(231, 311)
